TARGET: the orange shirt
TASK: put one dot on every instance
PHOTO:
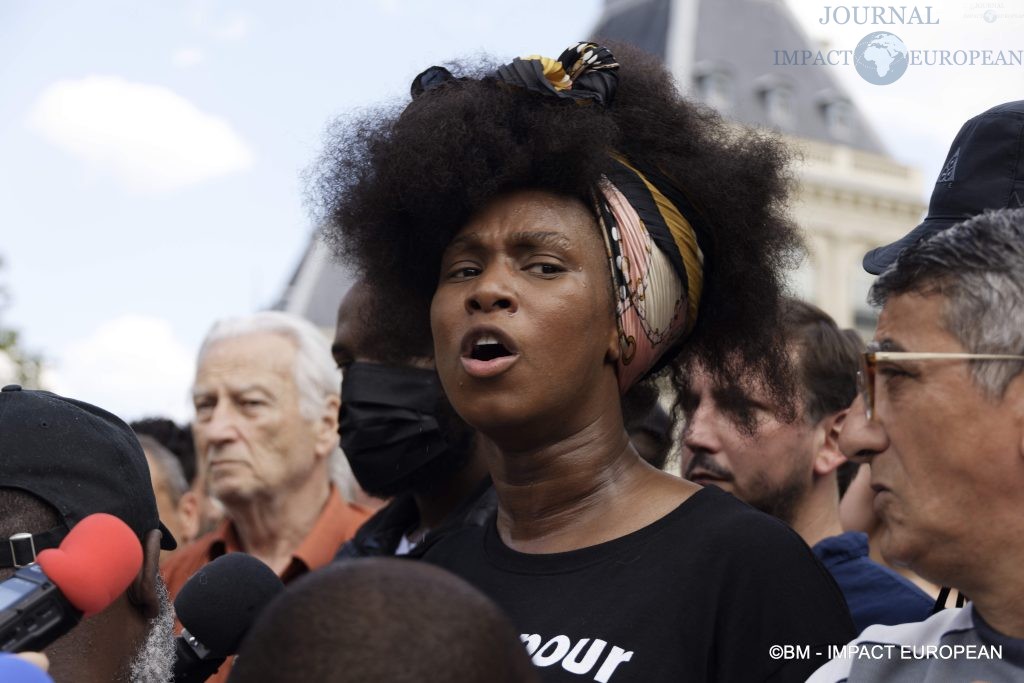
(337, 523)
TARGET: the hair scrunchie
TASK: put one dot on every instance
(584, 72)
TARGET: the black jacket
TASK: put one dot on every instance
(381, 534)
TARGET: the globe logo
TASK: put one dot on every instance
(880, 58)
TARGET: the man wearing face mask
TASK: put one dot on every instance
(401, 437)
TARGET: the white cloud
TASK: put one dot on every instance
(148, 136)
(392, 8)
(187, 57)
(211, 21)
(234, 28)
(132, 366)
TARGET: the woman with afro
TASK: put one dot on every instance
(567, 229)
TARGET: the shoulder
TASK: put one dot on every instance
(456, 546)
(380, 534)
(343, 516)
(927, 632)
(735, 530)
(931, 630)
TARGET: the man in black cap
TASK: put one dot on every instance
(62, 460)
(984, 169)
(940, 419)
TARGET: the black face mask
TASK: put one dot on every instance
(388, 423)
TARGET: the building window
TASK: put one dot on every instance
(716, 90)
(779, 105)
(839, 119)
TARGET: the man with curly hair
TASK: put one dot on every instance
(792, 468)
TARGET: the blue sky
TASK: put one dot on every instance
(151, 152)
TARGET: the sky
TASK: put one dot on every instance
(152, 153)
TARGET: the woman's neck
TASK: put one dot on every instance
(587, 488)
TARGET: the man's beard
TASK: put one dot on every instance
(154, 662)
(781, 501)
(778, 500)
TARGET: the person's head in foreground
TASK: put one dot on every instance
(62, 460)
(381, 619)
(941, 420)
(564, 241)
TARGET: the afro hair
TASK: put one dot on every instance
(394, 186)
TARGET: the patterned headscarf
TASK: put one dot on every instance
(652, 232)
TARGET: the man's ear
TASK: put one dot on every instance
(188, 516)
(1014, 395)
(142, 591)
(828, 456)
(327, 427)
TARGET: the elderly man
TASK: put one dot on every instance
(785, 461)
(941, 420)
(62, 460)
(266, 430)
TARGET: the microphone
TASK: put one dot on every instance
(95, 563)
(216, 607)
(17, 670)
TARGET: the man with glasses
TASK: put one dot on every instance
(940, 419)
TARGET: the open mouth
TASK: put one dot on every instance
(488, 348)
(487, 352)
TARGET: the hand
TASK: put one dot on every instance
(37, 658)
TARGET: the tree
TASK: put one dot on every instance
(17, 366)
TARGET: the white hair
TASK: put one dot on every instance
(316, 376)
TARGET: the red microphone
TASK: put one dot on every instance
(95, 563)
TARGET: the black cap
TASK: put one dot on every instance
(984, 170)
(78, 458)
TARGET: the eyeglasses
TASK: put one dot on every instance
(869, 362)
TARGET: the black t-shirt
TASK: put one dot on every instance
(700, 595)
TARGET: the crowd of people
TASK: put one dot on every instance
(567, 271)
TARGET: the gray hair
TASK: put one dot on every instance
(316, 376)
(978, 265)
(170, 466)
